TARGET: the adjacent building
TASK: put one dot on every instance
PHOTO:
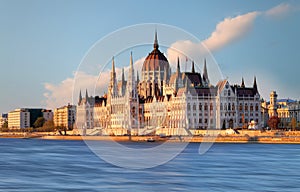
(285, 109)
(166, 102)
(19, 118)
(47, 114)
(65, 116)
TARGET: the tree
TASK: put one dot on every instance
(5, 124)
(273, 122)
(39, 122)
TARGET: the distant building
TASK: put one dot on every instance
(65, 116)
(47, 114)
(19, 118)
(3, 119)
(284, 109)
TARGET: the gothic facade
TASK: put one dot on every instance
(165, 102)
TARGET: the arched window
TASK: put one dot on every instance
(241, 107)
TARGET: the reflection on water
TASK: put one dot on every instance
(42, 165)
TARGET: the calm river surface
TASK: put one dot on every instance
(46, 165)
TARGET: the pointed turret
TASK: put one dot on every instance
(193, 67)
(131, 84)
(255, 85)
(178, 66)
(205, 75)
(80, 98)
(113, 80)
(113, 65)
(86, 96)
(123, 76)
(243, 83)
(155, 45)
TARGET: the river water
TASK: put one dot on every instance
(51, 165)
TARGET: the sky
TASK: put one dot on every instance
(42, 43)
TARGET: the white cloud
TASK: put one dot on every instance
(279, 10)
(230, 30)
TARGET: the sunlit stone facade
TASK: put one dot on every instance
(165, 102)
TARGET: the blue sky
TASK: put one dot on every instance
(43, 42)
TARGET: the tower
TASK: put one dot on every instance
(273, 104)
(132, 102)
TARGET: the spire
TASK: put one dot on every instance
(178, 66)
(123, 76)
(113, 65)
(255, 85)
(86, 96)
(193, 67)
(80, 97)
(243, 83)
(131, 83)
(155, 45)
(131, 61)
(205, 74)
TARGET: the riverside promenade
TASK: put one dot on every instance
(216, 136)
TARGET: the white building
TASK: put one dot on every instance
(162, 102)
(19, 118)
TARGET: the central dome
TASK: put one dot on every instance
(155, 61)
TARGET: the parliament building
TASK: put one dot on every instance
(162, 102)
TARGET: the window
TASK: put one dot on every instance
(233, 107)
(200, 107)
(188, 107)
(205, 107)
(241, 107)
(256, 107)
(194, 107)
(246, 107)
(251, 107)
